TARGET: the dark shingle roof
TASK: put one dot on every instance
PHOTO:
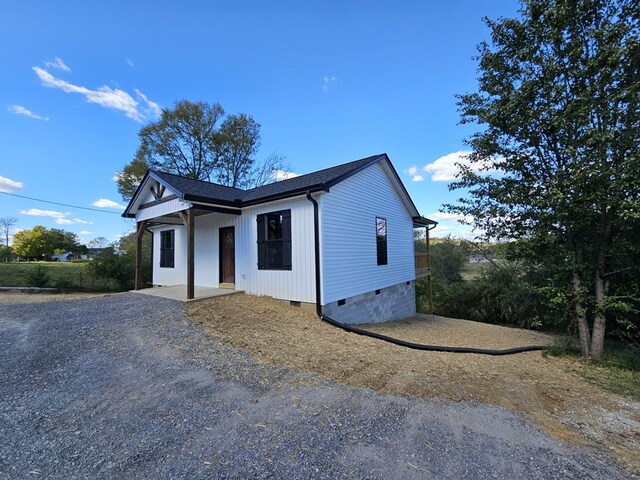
(211, 192)
(200, 188)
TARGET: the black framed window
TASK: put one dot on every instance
(274, 240)
(381, 240)
(167, 244)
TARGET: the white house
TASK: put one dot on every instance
(342, 238)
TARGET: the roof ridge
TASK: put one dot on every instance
(315, 172)
(196, 180)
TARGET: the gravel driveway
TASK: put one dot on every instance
(128, 386)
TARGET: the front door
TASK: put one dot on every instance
(227, 255)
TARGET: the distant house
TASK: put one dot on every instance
(355, 221)
(66, 257)
(480, 258)
(62, 257)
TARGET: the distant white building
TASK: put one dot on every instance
(479, 258)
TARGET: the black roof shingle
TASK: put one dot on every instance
(213, 193)
(199, 190)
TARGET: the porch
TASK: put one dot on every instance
(179, 292)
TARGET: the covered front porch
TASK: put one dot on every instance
(219, 263)
(179, 292)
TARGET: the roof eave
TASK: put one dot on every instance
(419, 221)
(319, 187)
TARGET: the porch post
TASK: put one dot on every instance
(190, 255)
(140, 228)
(188, 221)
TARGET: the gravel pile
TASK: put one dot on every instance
(128, 386)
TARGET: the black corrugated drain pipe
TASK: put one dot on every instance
(395, 341)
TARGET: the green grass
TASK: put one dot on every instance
(617, 371)
(64, 275)
(470, 271)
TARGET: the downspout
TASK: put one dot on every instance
(396, 341)
(316, 246)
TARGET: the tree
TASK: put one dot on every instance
(238, 141)
(40, 242)
(5, 227)
(559, 96)
(447, 258)
(32, 243)
(117, 262)
(187, 141)
(98, 242)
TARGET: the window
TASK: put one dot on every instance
(381, 240)
(166, 248)
(274, 240)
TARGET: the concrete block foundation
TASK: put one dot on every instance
(383, 305)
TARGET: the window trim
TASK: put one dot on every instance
(382, 252)
(167, 254)
(283, 243)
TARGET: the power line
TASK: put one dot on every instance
(61, 204)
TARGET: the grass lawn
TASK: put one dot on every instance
(60, 273)
(471, 270)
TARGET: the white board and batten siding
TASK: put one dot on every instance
(297, 284)
(178, 274)
(348, 226)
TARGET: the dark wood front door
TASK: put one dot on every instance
(227, 255)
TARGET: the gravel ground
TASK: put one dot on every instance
(128, 386)
(546, 389)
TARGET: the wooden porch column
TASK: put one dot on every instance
(140, 229)
(188, 220)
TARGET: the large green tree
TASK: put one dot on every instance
(196, 140)
(558, 101)
(41, 242)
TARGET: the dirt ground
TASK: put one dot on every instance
(546, 389)
(15, 296)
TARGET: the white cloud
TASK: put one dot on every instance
(7, 185)
(62, 218)
(446, 216)
(449, 224)
(58, 64)
(130, 63)
(329, 82)
(415, 176)
(444, 169)
(20, 110)
(104, 96)
(104, 203)
(282, 175)
(36, 212)
(153, 109)
(84, 232)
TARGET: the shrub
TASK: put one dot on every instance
(38, 277)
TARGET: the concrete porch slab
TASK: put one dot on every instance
(179, 292)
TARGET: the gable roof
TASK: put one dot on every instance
(322, 180)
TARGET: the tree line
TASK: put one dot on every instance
(515, 289)
(557, 112)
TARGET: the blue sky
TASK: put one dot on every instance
(329, 81)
